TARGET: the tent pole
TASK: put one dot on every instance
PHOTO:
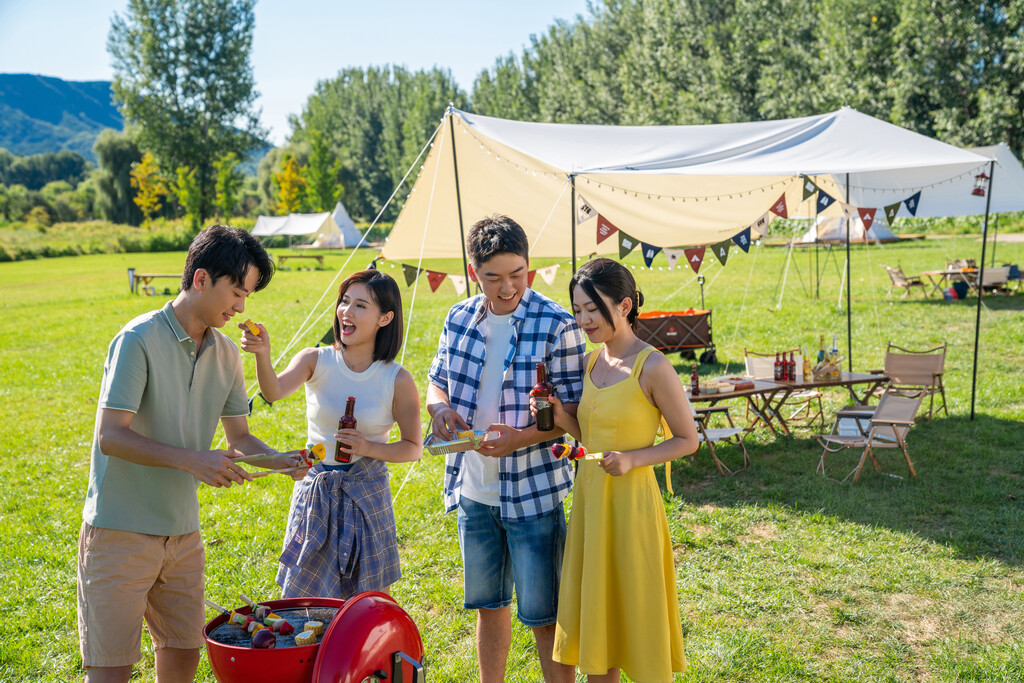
(995, 237)
(572, 210)
(849, 329)
(458, 198)
(981, 287)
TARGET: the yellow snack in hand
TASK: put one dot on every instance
(468, 434)
(251, 326)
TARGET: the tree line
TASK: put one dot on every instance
(948, 69)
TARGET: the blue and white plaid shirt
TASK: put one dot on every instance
(532, 482)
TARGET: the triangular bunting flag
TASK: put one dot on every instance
(694, 257)
(779, 207)
(760, 226)
(604, 229)
(529, 277)
(435, 279)
(721, 251)
(649, 251)
(825, 200)
(891, 211)
(742, 239)
(912, 201)
(584, 211)
(673, 257)
(548, 274)
(459, 281)
(809, 188)
(411, 273)
(867, 217)
(626, 244)
(849, 210)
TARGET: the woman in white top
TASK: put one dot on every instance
(341, 536)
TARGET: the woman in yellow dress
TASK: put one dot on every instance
(617, 604)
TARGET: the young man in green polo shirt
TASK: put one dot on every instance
(169, 377)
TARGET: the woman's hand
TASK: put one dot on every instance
(556, 405)
(351, 441)
(616, 463)
(253, 343)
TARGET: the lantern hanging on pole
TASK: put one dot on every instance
(980, 181)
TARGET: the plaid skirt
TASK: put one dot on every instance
(341, 536)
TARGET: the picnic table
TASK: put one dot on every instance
(281, 258)
(760, 398)
(143, 281)
(938, 278)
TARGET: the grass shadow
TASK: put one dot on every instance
(968, 495)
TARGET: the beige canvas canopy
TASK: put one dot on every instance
(664, 185)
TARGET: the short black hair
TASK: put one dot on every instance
(612, 279)
(496, 235)
(222, 250)
(388, 298)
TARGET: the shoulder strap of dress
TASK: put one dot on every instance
(592, 360)
(641, 358)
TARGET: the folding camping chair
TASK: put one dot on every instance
(917, 372)
(712, 435)
(898, 279)
(888, 425)
(807, 402)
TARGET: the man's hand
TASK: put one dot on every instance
(504, 444)
(447, 423)
(215, 468)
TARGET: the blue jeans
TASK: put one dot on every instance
(498, 554)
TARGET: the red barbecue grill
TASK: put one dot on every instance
(368, 638)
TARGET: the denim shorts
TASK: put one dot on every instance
(497, 554)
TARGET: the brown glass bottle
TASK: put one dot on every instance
(347, 421)
(791, 368)
(541, 390)
(694, 382)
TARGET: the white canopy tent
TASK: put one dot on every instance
(296, 224)
(674, 185)
(347, 235)
(664, 185)
(832, 230)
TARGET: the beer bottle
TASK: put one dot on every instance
(791, 374)
(807, 369)
(778, 368)
(694, 382)
(821, 349)
(545, 411)
(347, 421)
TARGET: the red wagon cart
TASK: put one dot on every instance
(683, 331)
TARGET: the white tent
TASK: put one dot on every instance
(318, 224)
(347, 234)
(664, 185)
(832, 230)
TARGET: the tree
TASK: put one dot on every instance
(321, 174)
(189, 197)
(116, 152)
(229, 184)
(182, 74)
(291, 187)
(150, 186)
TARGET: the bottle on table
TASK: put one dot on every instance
(541, 391)
(821, 349)
(835, 356)
(347, 421)
(791, 367)
(694, 382)
(807, 369)
(778, 368)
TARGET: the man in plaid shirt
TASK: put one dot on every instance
(509, 493)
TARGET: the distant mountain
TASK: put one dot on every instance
(44, 114)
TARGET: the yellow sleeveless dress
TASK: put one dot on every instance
(617, 603)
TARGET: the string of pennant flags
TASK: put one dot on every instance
(695, 255)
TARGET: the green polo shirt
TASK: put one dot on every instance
(152, 371)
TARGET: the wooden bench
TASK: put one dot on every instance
(141, 281)
(284, 257)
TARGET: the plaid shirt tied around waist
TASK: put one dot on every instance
(341, 536)
(532, 482)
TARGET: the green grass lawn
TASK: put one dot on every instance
(783, 575)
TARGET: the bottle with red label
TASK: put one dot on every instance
(545, 411)
(694, 382)
(791, 368)
(347, 421)
(778, 367)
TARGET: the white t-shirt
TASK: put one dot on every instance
(480, 472)
(329, 388)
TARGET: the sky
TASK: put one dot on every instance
(296, 43)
